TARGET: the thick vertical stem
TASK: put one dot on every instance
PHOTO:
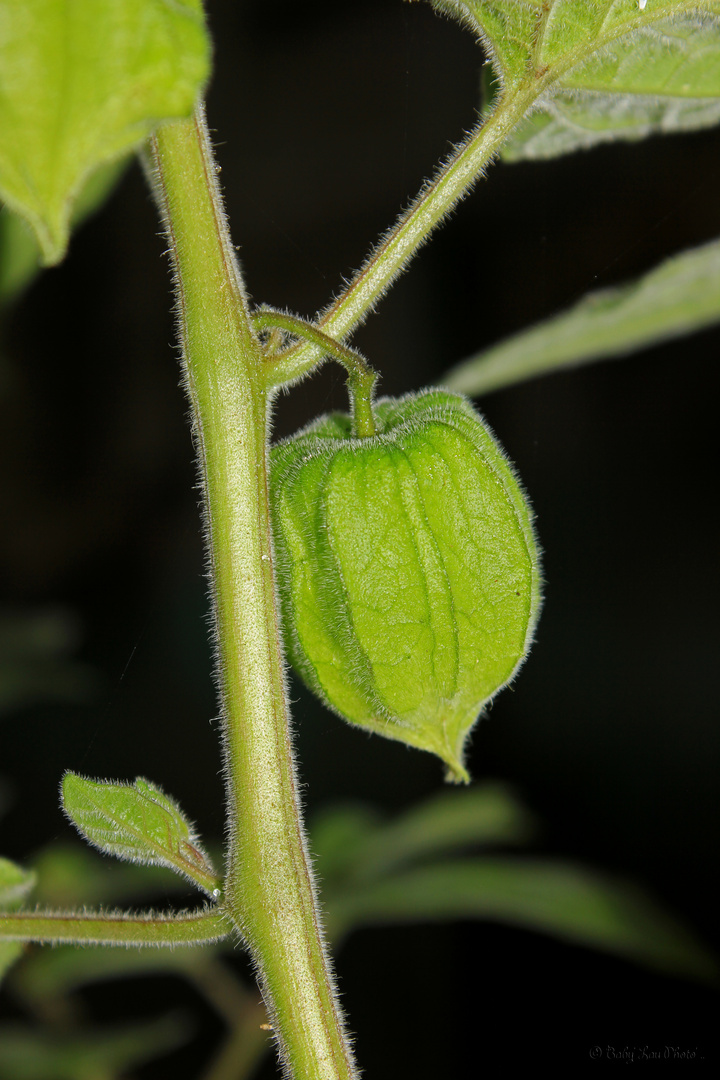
(269, 890)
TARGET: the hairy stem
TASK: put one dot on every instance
(115, 928)
(269, 891)
(395, 251)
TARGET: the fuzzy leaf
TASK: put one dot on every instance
(137, 822)
(677, 297)
(607, 69)
(506, 29)
(661, 79)
(568, 902)
(81, 84)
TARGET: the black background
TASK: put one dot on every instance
(327, 117)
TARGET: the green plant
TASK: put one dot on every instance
(230, 374)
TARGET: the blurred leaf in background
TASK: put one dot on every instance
(15, 884)
(36, 659)
(98, 1055)
(676, 298)
(400, 871)
(376, 871)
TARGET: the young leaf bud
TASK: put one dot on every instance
(408, 569)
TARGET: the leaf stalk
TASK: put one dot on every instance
(116, 928)
(361, 377)
(453, 181)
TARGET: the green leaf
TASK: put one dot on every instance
(15, 884)
(354, 842)
(602, 69)
(661, 79)
(568, 902)
(506, 29)
(29, 1054)
(52, 973)
(20, 256)
(137, 822)
(336, 834)
(81, 84)
(449, 821)
(675, 298)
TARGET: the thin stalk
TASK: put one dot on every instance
(242, 1051)
(248, 1039)
(394, 252)
(269, 891)
(361, 377)
(115, 928)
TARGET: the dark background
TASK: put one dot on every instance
(327, 118)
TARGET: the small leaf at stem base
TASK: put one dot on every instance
(137, 822)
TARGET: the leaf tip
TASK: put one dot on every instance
(52, 234)
(69, 781)
(456, 773)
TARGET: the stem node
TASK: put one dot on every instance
(361, 377)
